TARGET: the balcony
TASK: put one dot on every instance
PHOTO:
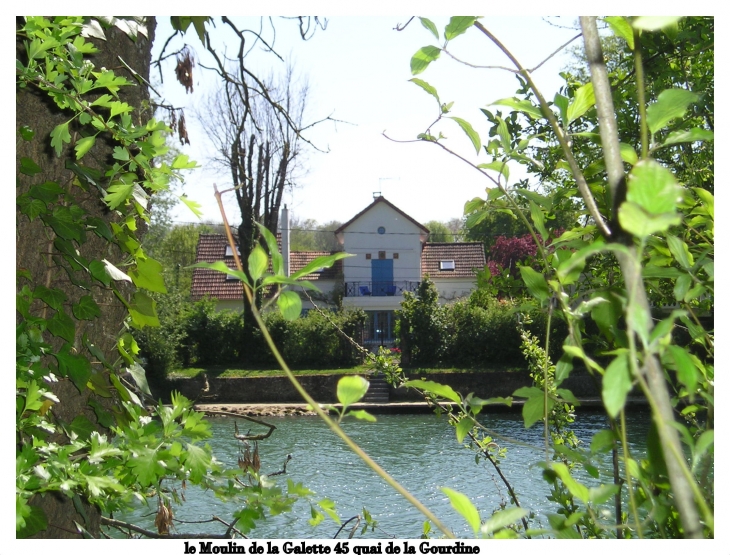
(379, 288)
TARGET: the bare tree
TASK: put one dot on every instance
(257, 138)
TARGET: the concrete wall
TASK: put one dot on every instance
(324, 388)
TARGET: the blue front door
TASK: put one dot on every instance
(382, 276)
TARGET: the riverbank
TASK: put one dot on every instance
(302, 409)
(323, 388)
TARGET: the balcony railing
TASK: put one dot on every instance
(379, 288)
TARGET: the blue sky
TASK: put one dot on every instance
(358, 71)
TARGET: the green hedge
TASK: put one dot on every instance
(196, 334)
(480, 331)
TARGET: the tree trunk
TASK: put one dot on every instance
(34, 241)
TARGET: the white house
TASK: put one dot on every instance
(392, 256)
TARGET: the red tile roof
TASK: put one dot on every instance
(467, 257)
(212, 247)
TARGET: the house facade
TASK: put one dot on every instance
(391, 256)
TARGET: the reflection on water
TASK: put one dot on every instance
(420, 451)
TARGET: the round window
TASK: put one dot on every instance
(381, 230)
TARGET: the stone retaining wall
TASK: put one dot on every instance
(324, 388)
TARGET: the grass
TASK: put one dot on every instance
(222, 371)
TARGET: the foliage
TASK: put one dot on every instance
(309, 235)
(85, 429)
(421, 326)
(439, 232)
(640, 235)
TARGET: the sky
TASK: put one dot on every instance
(358, 70)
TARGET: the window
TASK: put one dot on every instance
(447, 265)
(381, 255)
(395, 256)
(229, 277)
(368, 256)
(229, 251)
(381, 230)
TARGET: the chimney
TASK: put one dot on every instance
(285, 239)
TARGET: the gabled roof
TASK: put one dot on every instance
(212, 247)
(467, 257)
(379, 200)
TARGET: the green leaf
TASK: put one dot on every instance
(140, 377)
(351, 389)
(193, 205)
(469, 130)
(704, 442)
(98, 272)
(680, 251)
(602, 493)
(145, 466)
(142, 310)
(707, 199)
(220, 266)
(621, 27)
(535, 283)
(426, 87)
(83, 146)
(320, 262)
(458, 26)
(82, 427)
(653, 187)
(59, 136)
(438, 389)
(602, 441)
(670, 104)
(257, 263)
(29, 520)
(183, 162)
(86, 308)
(290, 305)
(628, 154)
(61, 325)
(576, 489)
(362, 415)
(118, 194)
(654, 22)
(148, 275)
(562, 103)
(463, 427)
(497, 166)
(65, 223)
(423, 58)
(428, 24)
(582, 102)
(640, 223)
(502, 519)
(524, 106)
(693, 135)
(76, 367)
(686, 370)
(534, 409)
(26, 133)
(52, 297)
(464, 507)
(616, 384)
(29, 167)
(538, 218)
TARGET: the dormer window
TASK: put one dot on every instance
(229, 251)
(447, 265)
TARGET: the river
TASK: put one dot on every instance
(420, 451)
